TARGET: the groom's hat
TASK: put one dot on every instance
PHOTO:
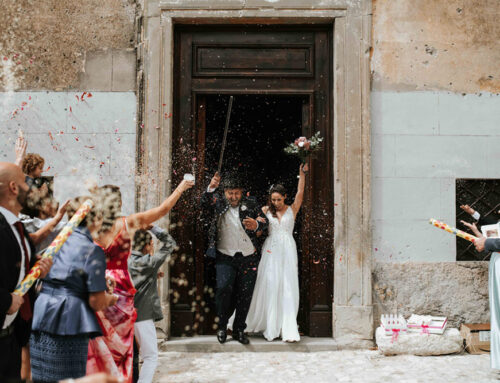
(233, 180)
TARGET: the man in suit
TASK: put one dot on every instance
(17, 257)
(233, 229)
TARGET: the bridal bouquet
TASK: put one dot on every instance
(303, 147)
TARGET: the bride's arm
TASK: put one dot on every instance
(299, 197)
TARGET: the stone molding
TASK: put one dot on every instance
(351, 24)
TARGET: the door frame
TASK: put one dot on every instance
(351, 25)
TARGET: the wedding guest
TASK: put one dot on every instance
(43, 231)
(144, 269)
(493, 244)
(74, 289)
(481, 221)
(33, 167)
(18, 256)
(113, 352)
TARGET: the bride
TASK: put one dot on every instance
(275, 300)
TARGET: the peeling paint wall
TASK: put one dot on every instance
(436, 45)
(44, 43)
(435, 115)
(51, 52)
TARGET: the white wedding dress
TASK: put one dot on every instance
(275, 300)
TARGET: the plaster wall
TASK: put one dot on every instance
(435, 114)
(83, 141)
(422, 142)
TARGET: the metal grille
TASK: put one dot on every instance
(484, 197)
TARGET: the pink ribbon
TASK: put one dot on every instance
(425, 329)
(395, 334)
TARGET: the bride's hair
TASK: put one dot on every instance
(280, 189)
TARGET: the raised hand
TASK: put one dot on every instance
(62, 210)
(21, 145)
(467, 209)
(185, 185)
(304, 168)
(215, 181)
(473, 227)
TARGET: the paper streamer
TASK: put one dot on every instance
(453, 230)
(54, 247)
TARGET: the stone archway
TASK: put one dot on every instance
(351, 24)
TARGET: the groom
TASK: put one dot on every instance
(233, 230)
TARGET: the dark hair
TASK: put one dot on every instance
(111, 200)
(280, 189)
(31, 162)
(94, 214)
(233, 179)
(141, 239)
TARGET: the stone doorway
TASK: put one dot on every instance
(349, 22)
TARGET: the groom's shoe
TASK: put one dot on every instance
(221, 336)
(241, 337)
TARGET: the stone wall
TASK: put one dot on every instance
(68, 81)
(458, 290)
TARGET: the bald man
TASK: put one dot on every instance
(17, 256)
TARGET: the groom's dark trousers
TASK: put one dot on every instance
(235, 282)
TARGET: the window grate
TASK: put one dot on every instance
(482, 195)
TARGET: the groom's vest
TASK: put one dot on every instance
(215, 206)
(231, 234)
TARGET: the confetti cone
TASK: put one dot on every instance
(453, 230)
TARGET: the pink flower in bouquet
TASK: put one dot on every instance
(303, 142)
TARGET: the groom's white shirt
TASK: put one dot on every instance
(232, 237)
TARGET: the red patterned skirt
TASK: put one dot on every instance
(113, 352)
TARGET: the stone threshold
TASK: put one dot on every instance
(209, 343)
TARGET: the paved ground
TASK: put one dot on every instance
(331, 366)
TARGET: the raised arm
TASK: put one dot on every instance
(299, 197)
(473, 228)
(42, 233)
(144, 219)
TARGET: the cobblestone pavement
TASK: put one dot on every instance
(335, 366)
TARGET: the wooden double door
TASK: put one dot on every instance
(281, 81)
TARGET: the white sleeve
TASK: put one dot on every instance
(210, 190)
(476, 216)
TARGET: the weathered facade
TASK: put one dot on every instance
(415, 105)
(435, 118)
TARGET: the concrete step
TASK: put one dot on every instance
(209, 343)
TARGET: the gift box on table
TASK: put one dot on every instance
(427, 324)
